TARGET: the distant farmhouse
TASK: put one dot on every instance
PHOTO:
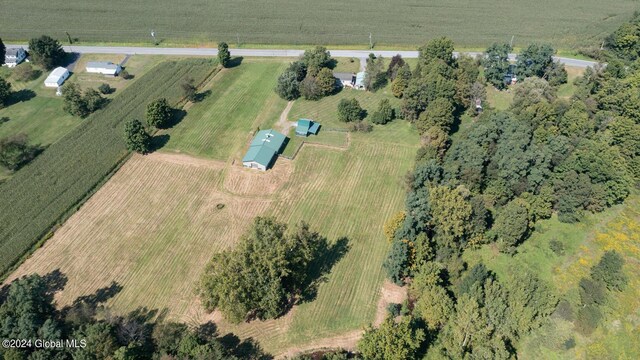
(350, 80)
(104, 68)
(305, 127)
(14, 56)
(264, 150)
(345, 79)
(57, 77)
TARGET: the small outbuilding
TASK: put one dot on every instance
(359, 83)
(104, 68)
(305, 127)
(14, 56)
(57, 77)
(264, 149)
(345, 79)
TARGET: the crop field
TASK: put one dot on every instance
(39, 195)
(565, 23)
(155, 223)
(238, 101)
(615, 229)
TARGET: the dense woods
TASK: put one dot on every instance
(491, 183)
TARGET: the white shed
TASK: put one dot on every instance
(57, 77)
(103, 67)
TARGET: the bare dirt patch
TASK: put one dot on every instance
(243, 181)
(390, 294)
(188, 160)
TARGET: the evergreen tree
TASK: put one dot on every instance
(224, 56)
(136, 137)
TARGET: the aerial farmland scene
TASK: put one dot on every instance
(375, 180)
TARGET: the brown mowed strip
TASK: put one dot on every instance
(151, 229)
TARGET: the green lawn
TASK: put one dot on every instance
(41, 117)
(325, 110)
(341, 194)
(240, 100)
(564, 23)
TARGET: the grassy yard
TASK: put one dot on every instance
(237, 101)
(562, 22)
(325, 110)
(342, 191)
(617, 228)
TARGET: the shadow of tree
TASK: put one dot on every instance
(159, 141)
(84, 308)
(20, 96)
(244, 349)
(327, 256)
(201, 96)
(235, 61)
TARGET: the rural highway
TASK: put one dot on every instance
(267, 52)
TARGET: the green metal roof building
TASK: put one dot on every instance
(305, 127)
(264, 149)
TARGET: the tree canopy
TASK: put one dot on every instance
(46, 52)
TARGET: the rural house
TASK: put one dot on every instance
(104, 68)
(345, 79)
(264, 149)
(57, 77)
(304, 127)
(14, 56)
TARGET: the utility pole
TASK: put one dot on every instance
(238, 38)
(511, 43)
(153, 35)
(370, 42)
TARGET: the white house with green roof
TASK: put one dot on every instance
(264, 150)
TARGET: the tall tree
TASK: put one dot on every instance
(350, 110)
(392, 341)
(158, 113)
(288, 85)
(609, 271)
(276, 268)
(224, 56)
(15, 151)
(326, 82)
(438, 113)
(136, 137)
(74, 103)
(46, 52)
(316, 59)
(437, 49)
(496, 64)
(512, 224)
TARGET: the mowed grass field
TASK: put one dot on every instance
(155, 224)
(236, 102)
(564, 23)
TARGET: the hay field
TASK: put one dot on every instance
(565, 23)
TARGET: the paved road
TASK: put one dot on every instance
(268, 52)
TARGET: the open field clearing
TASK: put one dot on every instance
(156, 257)
(615, 229)
(562, 22)
(237, 101)
(45, 191)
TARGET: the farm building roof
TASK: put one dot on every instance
(264, 146)
(360, 79)
(303, 126)
(343, 76)
(314, 128)
(269, 138)
(13, 51)
(102, 65)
